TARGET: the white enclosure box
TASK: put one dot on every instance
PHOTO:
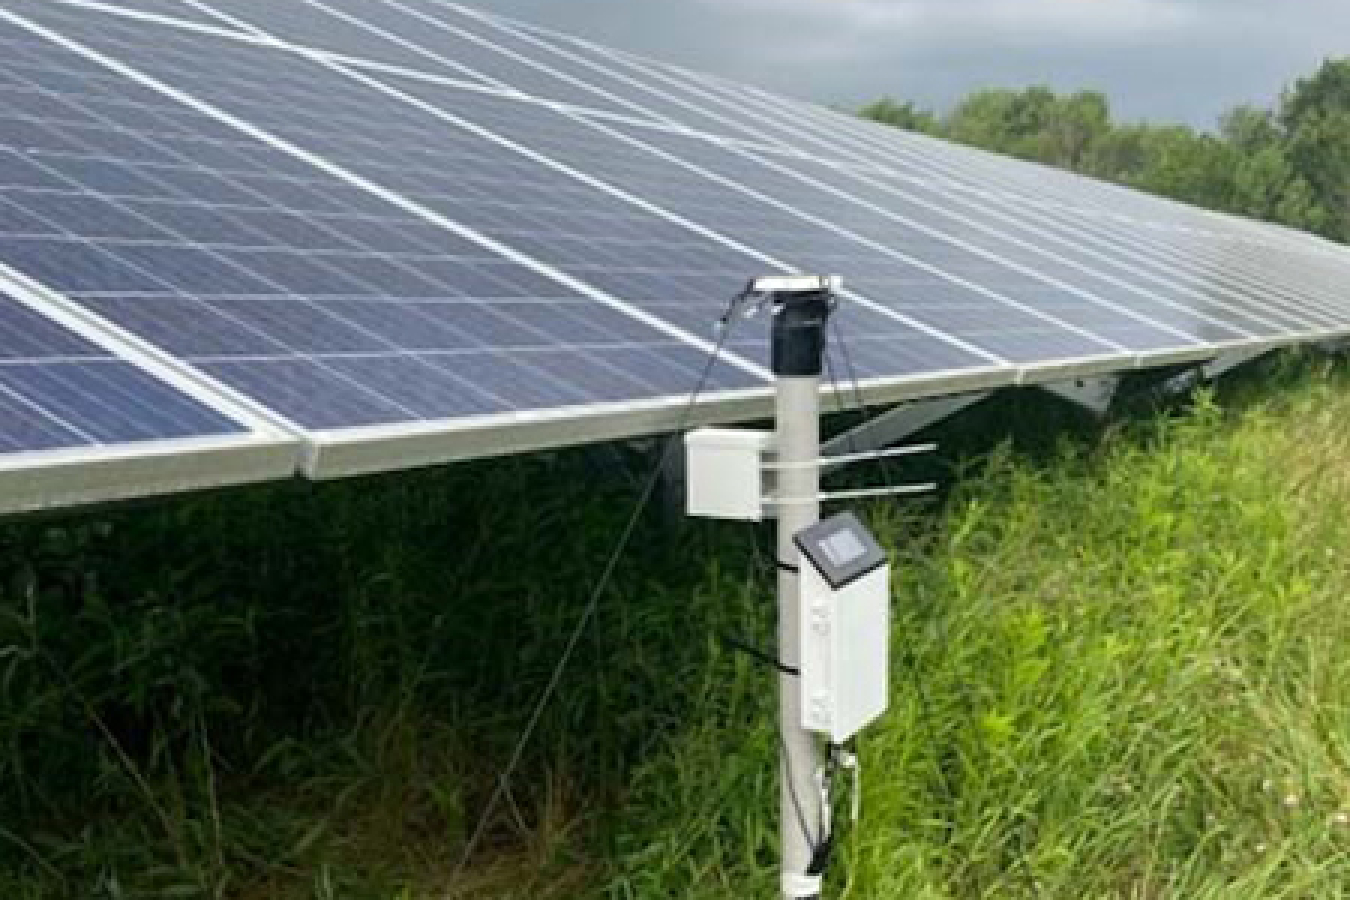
(845, 627)
(725, 475)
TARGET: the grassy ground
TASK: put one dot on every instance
(1120, 672)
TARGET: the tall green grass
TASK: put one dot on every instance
(1120, 672)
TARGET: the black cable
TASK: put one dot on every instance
(859, 399)
(820, 858)
(926, 707)
(592, 605)
(769, 574)
(811, 841)
(759, 655)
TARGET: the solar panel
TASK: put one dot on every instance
(811, 241)
(850, 142)
(673, 99)
(408, 231)
(866, 150)
(81, 423)
(1218, 313)
(916, 164)
(857, 143)
(652, 105)
(319, 299)
(402, 35)
(1211, 314)
(1268, 261)
(612, 243)
(183, 12)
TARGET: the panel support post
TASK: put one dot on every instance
(799, 335)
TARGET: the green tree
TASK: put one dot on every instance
(1250, 130)
(1072, 128)
(1290, 165)
(1181, 163)
(901, 115)
(1265, 182)
(1326, 91)
(1121, 154)
(1035, 124)
(984, 119)
(1315, 115)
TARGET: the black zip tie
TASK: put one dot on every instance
(820, 858)
(755, 653)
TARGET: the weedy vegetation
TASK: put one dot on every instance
(1120, 671)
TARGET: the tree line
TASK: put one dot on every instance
(1289, 164)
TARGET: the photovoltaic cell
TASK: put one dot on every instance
(325, 28)
(1165, 304)
(1197, 311)
(1165, 321)
(1192, 300)
(1187, 304)
(1198, 249)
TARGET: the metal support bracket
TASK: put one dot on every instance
(1340, 345)
(899, 490)
(1224, 362)
(1092, 394)
(897, 424)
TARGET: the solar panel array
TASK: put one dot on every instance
(358, 235)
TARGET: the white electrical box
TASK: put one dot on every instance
(844, 655)
(725, 475)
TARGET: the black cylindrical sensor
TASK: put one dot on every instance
(799, 334)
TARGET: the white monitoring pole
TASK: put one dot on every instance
(799, 332)
(833, 577)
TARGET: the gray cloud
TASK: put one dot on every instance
(1165, 60)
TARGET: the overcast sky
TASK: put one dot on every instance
(1173, 60)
